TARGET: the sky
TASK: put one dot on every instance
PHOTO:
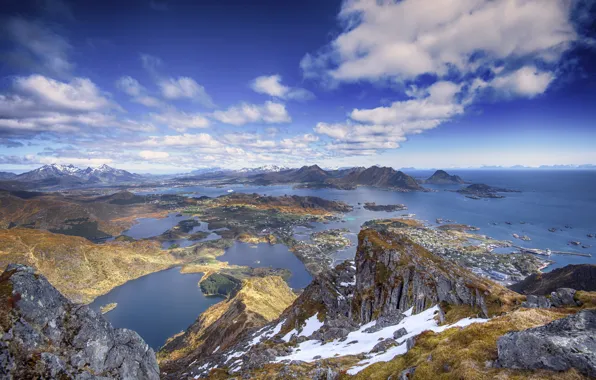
(170, 86)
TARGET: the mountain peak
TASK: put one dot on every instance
(441, 177)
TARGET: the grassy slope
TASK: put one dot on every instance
(78, 268)
(260, 300)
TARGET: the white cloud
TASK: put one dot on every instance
(80, 94)
(181, 121)
(271, 85)
(130, 86)
(153, 155)
(270, 112)
(386, 127)
(527, 81)
(439, 105)
(185, 87)
(200, 140)
(137, 92)
(402, 40)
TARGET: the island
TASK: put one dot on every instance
(372, 206)
(480, 190)
(441, 177)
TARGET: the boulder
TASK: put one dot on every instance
(558, 346)
(384, 345)
(399, 333)
(563, 297)
(537, 302)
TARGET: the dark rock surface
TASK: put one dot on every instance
(47, 336)
(563, 297)
(558, 346)
(384, 345)
(537, 302)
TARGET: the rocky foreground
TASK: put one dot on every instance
(397, 311)
(45, 336)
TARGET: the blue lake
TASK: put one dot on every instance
(268, 255)
(157, 306)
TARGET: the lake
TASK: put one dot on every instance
(158, 305)
(268, 255)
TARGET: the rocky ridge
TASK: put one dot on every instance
(47, 336)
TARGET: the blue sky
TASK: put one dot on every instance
(169, 86)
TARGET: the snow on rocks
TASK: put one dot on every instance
(360, 342)
(312, 324)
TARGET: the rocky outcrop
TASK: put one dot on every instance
(47, 336)
(578, 277)
(558, 346)
(394, 274)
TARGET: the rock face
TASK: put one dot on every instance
(394, 274)
(558, 346)
(47, 336)
(578, 277)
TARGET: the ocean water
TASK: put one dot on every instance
(548, 199)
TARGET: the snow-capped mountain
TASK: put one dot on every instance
(263, 169)
(72, 174)
(106, 174)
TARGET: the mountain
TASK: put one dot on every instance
(441, 177)
(578, 277)
(262, 169)
(381, 177)
(7, 175)
(306, 174)
(62, 175)
(48, 172)
(350, 178)
(48, 337)
(106, 174)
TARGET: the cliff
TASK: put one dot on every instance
(44, 335)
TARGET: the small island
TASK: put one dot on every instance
(372, 206)
(441, 177)
(107, 308)
(480, 190)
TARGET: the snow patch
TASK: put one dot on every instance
(359, 342)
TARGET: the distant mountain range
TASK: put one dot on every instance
(314, 176)
(56, 174)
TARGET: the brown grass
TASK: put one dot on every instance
(468, 353)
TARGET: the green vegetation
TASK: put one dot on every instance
(219, 284)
